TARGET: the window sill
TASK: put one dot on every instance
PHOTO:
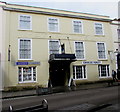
(105, 77)
(78, 33)
(79, 79)
(82, 34)
(19, 60)
(54, 31)
(27, 82)
(24, 29)
(80, 59)
(102, 59)
(99, 35)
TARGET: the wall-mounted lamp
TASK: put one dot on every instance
(50, 37)
(116, 51)
(63, 48)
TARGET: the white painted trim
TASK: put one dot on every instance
(19, 48)
(105, 51)
(73, 26)
(110, 70)
(49, 48)
(83, 48)
(82, 72)
(19, 22)
(32, 81)
(36, 75)
(58, 30)
(102, 28)
(99, 67)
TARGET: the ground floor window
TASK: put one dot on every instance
(103, 70)
(79, 72)
(27, 74)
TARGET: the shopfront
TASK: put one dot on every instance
(59, 68)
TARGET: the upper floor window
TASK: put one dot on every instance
(99, 29)
(25, 22)
(25, 49)
(79, 50)
(79, 72)
(118, 30)
(101, 50)
(53, 24)
(77, 26)
(103, 70)
(54, 47)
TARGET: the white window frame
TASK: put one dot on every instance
(107, 74)
(83, 49)
(83, 73)
(49, 46)
(118, 32)
(49, 25)
(19, 22)
(19, 49)
(32, 75)
(102, 28)
(80, 32)
(105, 51)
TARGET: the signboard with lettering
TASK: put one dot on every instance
(91, 62)
(27, 63)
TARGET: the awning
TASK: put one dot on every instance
(62, 57)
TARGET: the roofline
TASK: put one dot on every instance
(52, 9)
(55, 14)
(3, 2)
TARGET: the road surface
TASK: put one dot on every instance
(74, 100)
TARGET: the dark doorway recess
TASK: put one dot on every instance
(59, 68)
(59, 73)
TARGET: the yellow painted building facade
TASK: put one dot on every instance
(38, 45)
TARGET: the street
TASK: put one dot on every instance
(74, 100)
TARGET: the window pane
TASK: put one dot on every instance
(53, 24)
(108, 70)
(98, 28)
(28, 74)
(25, 22)
(54, 47)
(79, 50)
(84, 71)
(20, 74)
(74, 72)
(77, 26)
(101, 51)
(79, 72)
(118, 31)
(34, 74)
(103, 70)
(25, 49)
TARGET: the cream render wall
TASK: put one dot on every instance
(2, 46)
(40, 47)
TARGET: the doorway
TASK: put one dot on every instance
(59, 73)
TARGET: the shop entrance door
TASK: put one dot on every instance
(59, 73)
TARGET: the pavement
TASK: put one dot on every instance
(23, 93)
